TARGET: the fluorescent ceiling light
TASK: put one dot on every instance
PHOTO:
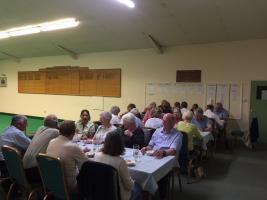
(23, 31)
(128, 3)
(4, 35)
(48, 26)
(60, 24)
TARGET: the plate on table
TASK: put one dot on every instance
(130, 163)
(150, 152)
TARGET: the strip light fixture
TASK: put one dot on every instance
(47, 26)
(128, 3)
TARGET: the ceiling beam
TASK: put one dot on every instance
(155, 44)
(69, 52)
(12, 57)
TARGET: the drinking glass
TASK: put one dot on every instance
(136, 152)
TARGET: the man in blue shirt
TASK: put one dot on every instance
(221, 112)
(14, 136)
(165, 140)
(201, 121)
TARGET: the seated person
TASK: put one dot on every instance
(115, 110)
(184, 106)
(201, 121)
(69, 153)
(14, 136)
(104, 128)
(165, 140)
(166, 106)
(221, 112)
(39, 144)
(113, 149)
(194, 107)
(155, 121)
(177, 115)
(189, 128)
(176, 105)
(129, 108)
(210, 114)
(137, 115)
(84, 126)
(148, 111)
(132, 134)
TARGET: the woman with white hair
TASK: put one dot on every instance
(189, 128)
(133, 134)
(105, 127)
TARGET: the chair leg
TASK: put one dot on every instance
(39, 190)
(189, 168)
(180, 182)
(10, 191)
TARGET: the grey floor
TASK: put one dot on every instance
(236, 174)
(233, 174)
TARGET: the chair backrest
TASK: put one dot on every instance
(184, 148)
(52, 174)
(148, 132)
(94, 178)
(14, 166)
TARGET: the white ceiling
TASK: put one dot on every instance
(107, 25)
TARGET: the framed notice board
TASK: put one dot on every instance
(71, 81)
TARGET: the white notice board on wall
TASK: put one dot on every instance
(172, 92)
(236, 100)
(229, 94)
(222, 95)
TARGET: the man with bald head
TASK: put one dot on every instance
(14, 136)
(39, 145)
(165, 140)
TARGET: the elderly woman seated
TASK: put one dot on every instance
(105, 127)
(189, 128)
(133, 134)
(113, 149)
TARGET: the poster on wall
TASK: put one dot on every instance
(222, 95)
(211, 94)
(3, 81)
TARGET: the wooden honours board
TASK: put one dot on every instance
(71, 81)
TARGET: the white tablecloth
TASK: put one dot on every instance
(207, 136)
(148, 169)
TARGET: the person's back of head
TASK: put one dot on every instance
(218, 106)
(187, 116)
(115, 110)
(19, 121)
(210, 107)
(128, 119)
(184, 104)
(130, 107)
(176, 104)
(156, 112)
(67, 128)
(51, 121)
(113, 144)
(194, 107)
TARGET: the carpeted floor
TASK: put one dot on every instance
(236, 174)
(233, 174)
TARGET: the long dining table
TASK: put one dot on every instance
(146, 170)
